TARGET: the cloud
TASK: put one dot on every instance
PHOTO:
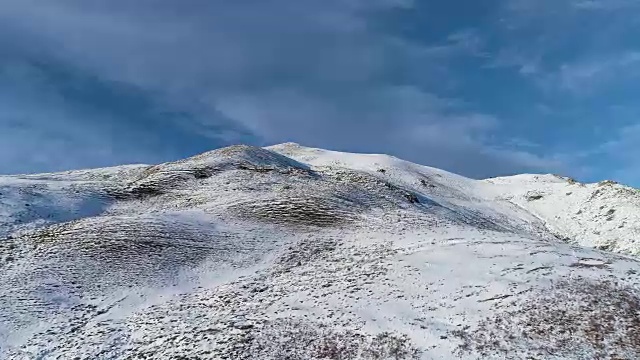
(403, 121)
(210, 46)
(569, 47)
(534, 8)
(466, 42)
(589, 76)
(526, 64)
(323, 73)
(606, 4)
(622, 154)
(55, 118)
(616, 158)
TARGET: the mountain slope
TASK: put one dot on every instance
(300, 253)
(603, 215)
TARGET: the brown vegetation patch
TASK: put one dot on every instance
(578, 318)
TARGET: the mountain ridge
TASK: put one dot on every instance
(303, 253)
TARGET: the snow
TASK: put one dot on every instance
(39, 202)
(601, 215)
(302, 253)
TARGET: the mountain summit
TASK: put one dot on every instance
(289, 252)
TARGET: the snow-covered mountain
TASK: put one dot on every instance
(290, 252)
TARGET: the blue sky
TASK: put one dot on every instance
(481, 88)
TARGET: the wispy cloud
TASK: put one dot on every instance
(525, 64)
(606, 4)
(581, 47)
(588, 76)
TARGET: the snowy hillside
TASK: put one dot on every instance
(290, 252)
(603, 215)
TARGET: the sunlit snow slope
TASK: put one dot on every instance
(290, 252)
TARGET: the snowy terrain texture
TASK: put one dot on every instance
(290, 252)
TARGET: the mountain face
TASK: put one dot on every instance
(290, 252)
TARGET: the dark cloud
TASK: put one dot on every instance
(151, 80)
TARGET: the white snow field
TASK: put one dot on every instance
(290, 252)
